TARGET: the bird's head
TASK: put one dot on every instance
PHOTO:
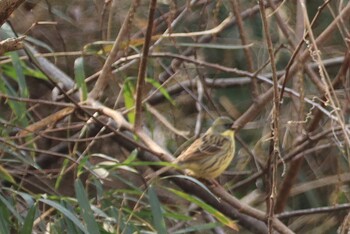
(221, 125)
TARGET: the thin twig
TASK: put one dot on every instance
(312, 211)
(143, 65)
(229, 82)
(283, 193)
(106, 70)
(206, 38)
(275, 121)
(247, 51)
(255, 108)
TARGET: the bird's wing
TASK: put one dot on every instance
(206, 146)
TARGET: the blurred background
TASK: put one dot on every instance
(64, 171)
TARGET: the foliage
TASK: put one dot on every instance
(85, 116)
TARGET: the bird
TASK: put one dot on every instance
(208, 156)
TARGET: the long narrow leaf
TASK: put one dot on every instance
(10, 208)
(18, 108)
(86, 210)
(158, 219)
(221, 217)
(23, 89)
(65, 212)
(128, 92)
(161, 89)
(4, 219)
(29, 220)
(80, 77)
(5, 175)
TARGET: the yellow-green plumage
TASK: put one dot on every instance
(210, 155)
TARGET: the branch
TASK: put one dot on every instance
(7, 7)
(11, 44)
(143, 65)
(106, 70)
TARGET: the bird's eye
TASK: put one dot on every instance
(228, 126)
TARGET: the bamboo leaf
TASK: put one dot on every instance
(161, 89)
(4, 174)
(157, 214)
(86, 210)
(218, 215)
(128, 93)
(80, 77)
(29, 220)
(67, 213)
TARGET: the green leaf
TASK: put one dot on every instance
(21, 156)
(194, 180)
(4, 174)
(132, 157)
(82, 164)
(80, 77)
(38, 43)
(4, 219)
(157, 214)
(178, 216)
(62, 173)
(10, 208)
(68, 214)
(218, 215)
(86, 210)
(16, 62)
(128, 93)
(29, 220)
(34, 73)
(161, 89)
(18, 108)
(25, 196)
(98, 47)
(69, 225)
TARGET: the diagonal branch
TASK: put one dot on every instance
(7, 7)
(106, 70)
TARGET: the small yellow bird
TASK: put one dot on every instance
(210, 155)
